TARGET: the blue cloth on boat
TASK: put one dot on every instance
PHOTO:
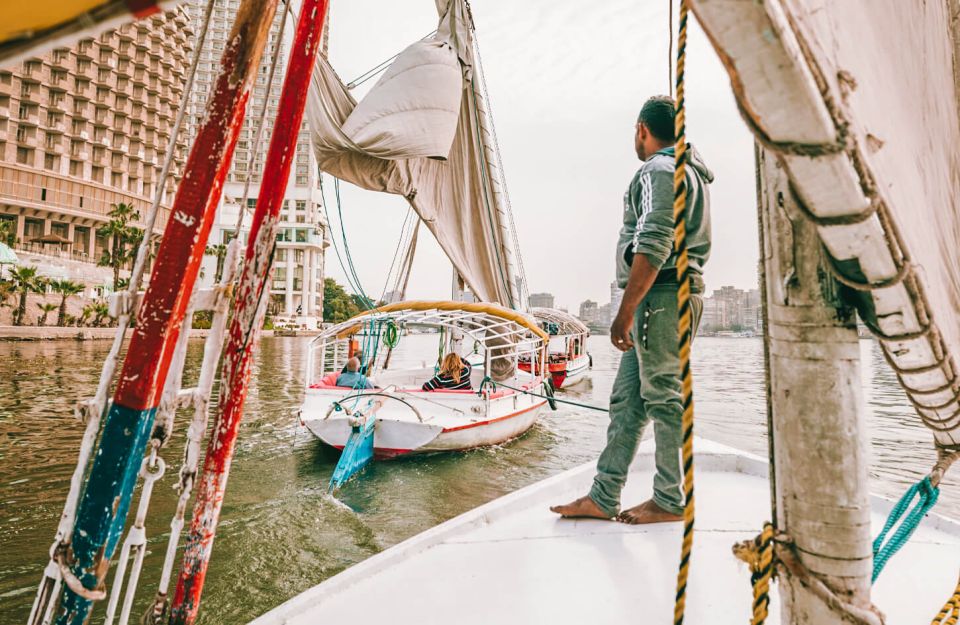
(353, 379)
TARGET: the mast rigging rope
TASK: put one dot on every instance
(684, 318)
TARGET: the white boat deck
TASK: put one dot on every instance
(513, 561)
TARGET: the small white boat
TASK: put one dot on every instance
(513, 561)
(410, 419)
(567, 357)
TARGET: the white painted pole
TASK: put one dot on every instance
(819, 451)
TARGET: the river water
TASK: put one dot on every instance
(278, 534)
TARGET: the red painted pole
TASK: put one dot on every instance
(249, 305)
(106, 498)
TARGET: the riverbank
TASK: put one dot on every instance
(54, 333)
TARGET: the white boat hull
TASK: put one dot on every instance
(512, 561)
(426, 421)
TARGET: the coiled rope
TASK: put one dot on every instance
(951, 609)
(685, 318)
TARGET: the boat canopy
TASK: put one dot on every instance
(490, 325)
(31, 28)
(559, 322)
(423, 132)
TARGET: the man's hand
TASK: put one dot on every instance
(620, 332)
(642, 277)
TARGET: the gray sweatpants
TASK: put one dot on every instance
(647, 388)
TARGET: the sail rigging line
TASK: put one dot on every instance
(380, 67)
(333, 241)
(670, 47)
(404, 234)
(249, 309)
(684, 317)
(486, 198)
(346, 245)
(92, 410)
(523, 288)
(261, 119)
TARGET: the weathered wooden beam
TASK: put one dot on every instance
(816, 403)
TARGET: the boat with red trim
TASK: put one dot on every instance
(567, 358)
(408, 418)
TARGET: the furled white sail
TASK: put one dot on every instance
(422, 132)
(859, 100)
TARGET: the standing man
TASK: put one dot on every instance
(647, 387)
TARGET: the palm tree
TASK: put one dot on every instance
(46, 309)
(26, 280)
(100, 312)
(66, 289)
(125, 239)
(85, 315)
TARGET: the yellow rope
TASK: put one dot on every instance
(758, 554)
(685, 319)
(951, 610)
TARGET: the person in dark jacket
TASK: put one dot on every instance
(454, 375)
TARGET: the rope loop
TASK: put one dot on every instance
(908, 518)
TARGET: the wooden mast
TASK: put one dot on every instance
(819, 439)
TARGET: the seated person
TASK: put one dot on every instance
(352, 378)
(454, 375)
(363, 368)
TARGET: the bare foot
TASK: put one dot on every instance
(647, 512)
(581, 508)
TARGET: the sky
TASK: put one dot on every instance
(566, 81)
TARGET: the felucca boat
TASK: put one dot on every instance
(408, 418)
(567, 358)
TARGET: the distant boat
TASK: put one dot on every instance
(567, 358)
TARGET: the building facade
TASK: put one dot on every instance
(297, 287)
(541, 300)
(589, 312)
(85, 128)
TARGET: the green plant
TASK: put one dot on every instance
(202, 320)
(26, 280)
(8, 232)
(66, 289)
(220, 251)
(126, 238)
(338, 305)
(45, 309)
(100, 312)
(6, 292)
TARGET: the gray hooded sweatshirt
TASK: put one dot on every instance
(648, 217)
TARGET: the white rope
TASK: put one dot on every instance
(199, 399)
(151, 470)
(92, 410)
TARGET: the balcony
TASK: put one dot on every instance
(29, 118)
(26, 140)
(60, 58)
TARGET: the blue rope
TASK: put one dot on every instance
(356, 288)
(926, 494)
